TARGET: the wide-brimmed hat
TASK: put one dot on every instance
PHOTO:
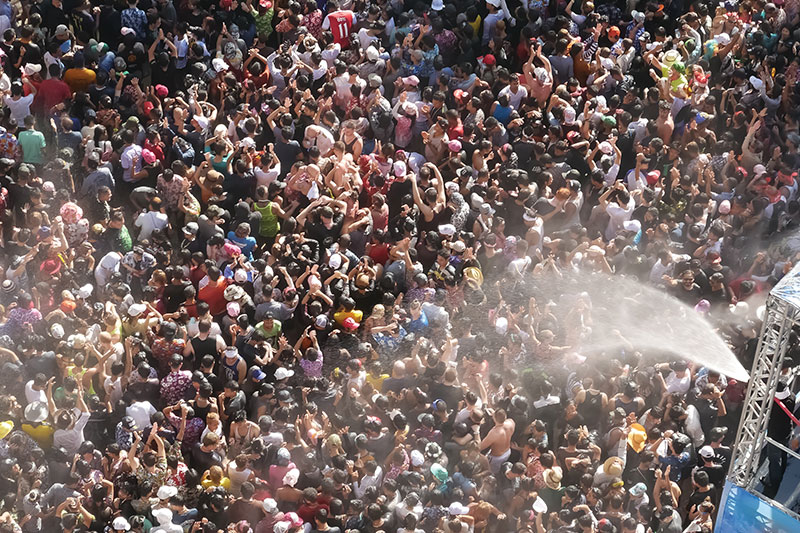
(637, 437)
(36, 412)
(552, 478)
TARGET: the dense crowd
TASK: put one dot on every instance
(283, 266)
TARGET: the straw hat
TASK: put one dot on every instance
(637, 437)
(613, 466)
(552, 478)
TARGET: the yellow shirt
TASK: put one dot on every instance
(41, 433)
(376, 381)
(341, 316)
(224, 483)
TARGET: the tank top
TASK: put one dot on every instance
(592, 408)
(349, 146)
(202, 347)
(628, 407)
(269, 221)
(231, 372)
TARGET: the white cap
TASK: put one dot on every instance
(400, 168)
(335, 261)
(120, 523)
(457, 508)
(707, 452)
(85, 291)
(166, 492)
(372, 53)
(283, 373)
(270, 506)
(495, 3)
(606, 147)
(135, 310)
(756, 83)
(723, 38)
(219, 64)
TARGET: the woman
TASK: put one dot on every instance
(405, 113)
(97, 139)
(215, 477)
(242, 431)
(435, 141)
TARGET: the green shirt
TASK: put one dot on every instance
(32, 143)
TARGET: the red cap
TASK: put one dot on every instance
(613, 31)
(573, 136)
(350, 324)
(51, 266)
(489, 60)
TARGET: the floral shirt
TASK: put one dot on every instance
(312, 369)
(175, 385)
(9, 146)
(264, 21)
(172, 190)
(194, 429)
(157, 477)
(313, 23)
(163, 349)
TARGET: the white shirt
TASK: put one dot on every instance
(265, 178)
(19, 108)
(34, 395)
(106, 267)
(71, 439)
(141, 413)
(126, 160)
(515, 99)
(149, 222)
(618, 215)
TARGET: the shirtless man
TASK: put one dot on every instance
(498, 440)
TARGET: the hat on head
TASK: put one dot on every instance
(120, 524)
(5, 428)
(489, 59)
(454, 146)
(613, 466)
(399, 168)
(63, 31)
(411, 80)
(36, 412)
(373, 79)
(725, 207)
(283, 373)
(495, 3)
(756, 83)
(256, 373)
(135, 310)
(671, 57)
(447, 229)
(128, 422)
(166, 492)
(233, 309)
(637, 437)
(148, 156)
(233, 292)
(372, 53)
(457, 508)
(723, 39)
(437, 5)
(191, 228)
(707, 452)
(32, 68)
(350, 324)
(269, 505)
(321, 321)
(219, 64)
(417, 458)
(127, 31)
(439, 472)
(780, 395)
(552, 478)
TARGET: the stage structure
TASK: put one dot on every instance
(782, 314)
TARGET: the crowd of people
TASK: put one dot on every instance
(283, 266)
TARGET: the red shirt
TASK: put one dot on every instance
(340, 24)
(51, 92)
(214, 296)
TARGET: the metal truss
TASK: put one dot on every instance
(782, 314)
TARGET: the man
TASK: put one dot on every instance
(99, 176)
(498, 440)
(154, 219)
(131, 158)
(176, 384)
(779, 428)
(340, 22)
(135, 18)
(32, 143)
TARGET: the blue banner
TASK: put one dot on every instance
(743, 512)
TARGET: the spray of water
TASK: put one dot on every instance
(656, 323)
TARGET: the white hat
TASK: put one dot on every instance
(638, 16)
(240, 276)
(231, 351)
(782, 395)
(756, 83)
(569, 116)
(85, 291)
(632, 225)
(447, 229)
(127, 31)
(501, 325)
(606, 147)
(707, 452)
(32, 68)
(270, 506)
(457, 508)
(372, 53)
(437, 5)
(335, 261)
(166, 492)
(495, 3)
(400, 168)
(723, 38)
(163, 515)
(135, 310)
(57, 331)
(759, 170)
(283, 373)
(219, 64)
(671, 57)
(417, 458)
(201, 121)
(539, 505)
(120, 523)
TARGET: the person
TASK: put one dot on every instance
(386, 267)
